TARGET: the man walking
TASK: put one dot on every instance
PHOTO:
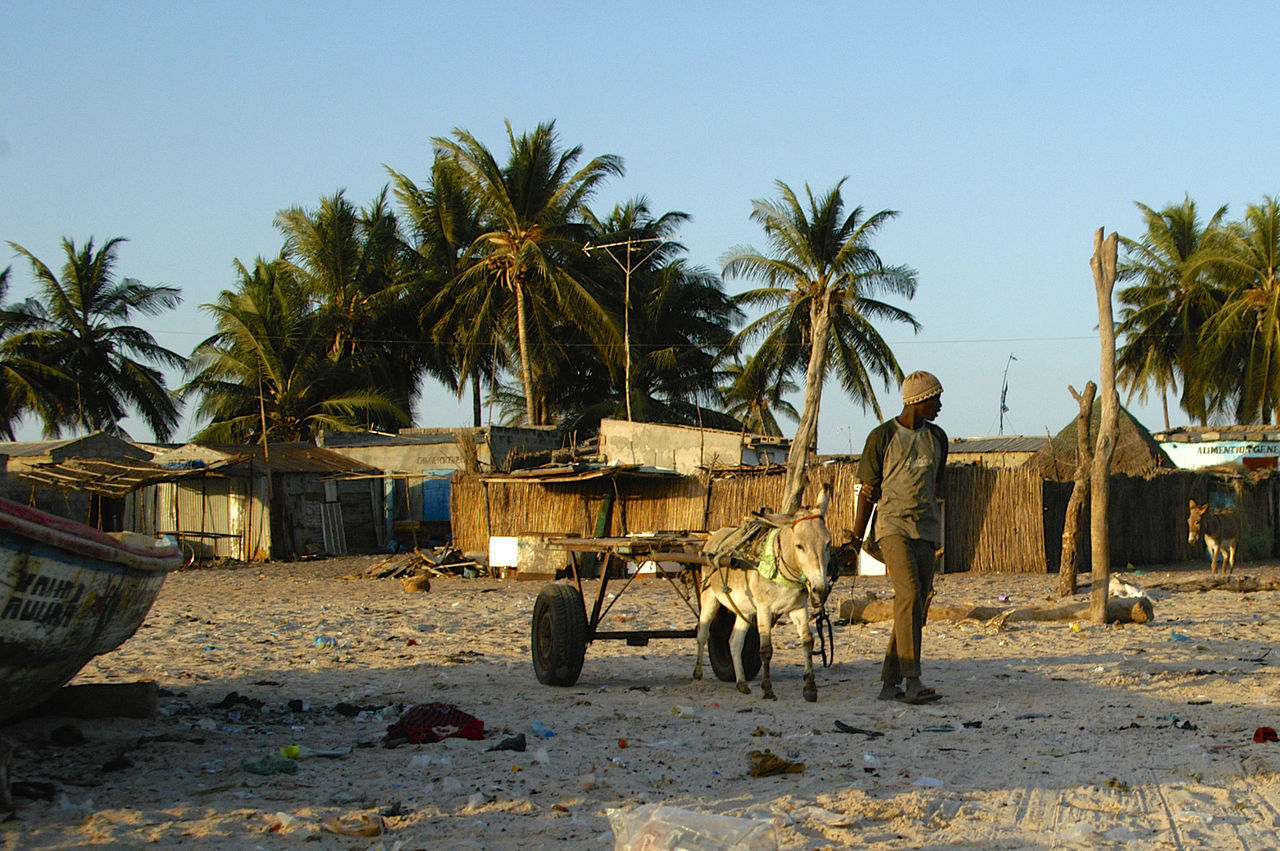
(901, 473)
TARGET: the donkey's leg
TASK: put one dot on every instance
(800, 617)
(764, 623)
(737, 640)
(1230, 566)
(709, 605)
(1213, 555)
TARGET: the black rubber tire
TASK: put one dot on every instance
(718, 648)
(558, 636)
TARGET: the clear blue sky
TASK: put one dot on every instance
(1005, 133)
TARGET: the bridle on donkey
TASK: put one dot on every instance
(821, 620)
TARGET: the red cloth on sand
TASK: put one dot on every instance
(431, 722)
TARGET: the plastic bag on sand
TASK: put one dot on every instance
(653, 827)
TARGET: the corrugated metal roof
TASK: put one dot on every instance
(580, 472)
(191, 453)
(425, 436)
(297, 458)
(283, 458)
(95, 442)
(27, 448)
(373, 438)
(1001, 443)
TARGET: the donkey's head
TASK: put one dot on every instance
(1194, 519)
(811, 548)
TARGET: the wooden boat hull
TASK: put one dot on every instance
(67, 593)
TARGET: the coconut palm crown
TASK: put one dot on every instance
(1170, 294)
(80, 326)
(823, 283)
(1241, 352)
(530, 211)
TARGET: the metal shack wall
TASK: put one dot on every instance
(216, 517)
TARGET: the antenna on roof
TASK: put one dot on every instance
(1004, 391)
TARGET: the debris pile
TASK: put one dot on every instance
(416, 568)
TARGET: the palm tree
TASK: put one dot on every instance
(27, 385)
(270, 372)
(1241, 355)
(1163, 311)
(755, 395)
(821, 282)
(442, 221)
(530, 211)
(352, 264)
(80, 323)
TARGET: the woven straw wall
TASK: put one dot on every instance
(995, 520)
(999, 520)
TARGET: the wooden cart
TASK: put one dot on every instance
(562, 626)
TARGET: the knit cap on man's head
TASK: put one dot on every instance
(920, 385)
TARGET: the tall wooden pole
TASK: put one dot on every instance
(1103, 265)
(1079, 491)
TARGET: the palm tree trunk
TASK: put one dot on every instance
(798, 456)
(526, 371)
(475, 397)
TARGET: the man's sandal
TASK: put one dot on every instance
(915, 698)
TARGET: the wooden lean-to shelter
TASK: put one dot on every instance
(253, 503)
(81, 478)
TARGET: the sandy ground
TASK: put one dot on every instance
(1049, 734)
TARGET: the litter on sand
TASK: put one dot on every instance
(766, 763)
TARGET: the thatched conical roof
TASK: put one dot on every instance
(1136, 454)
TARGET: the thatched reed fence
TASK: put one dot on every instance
(998, 520)
(994, 520)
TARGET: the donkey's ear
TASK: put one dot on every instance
(825, 499)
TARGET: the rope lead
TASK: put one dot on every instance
(822, 619)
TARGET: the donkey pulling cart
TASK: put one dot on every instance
(563, 627)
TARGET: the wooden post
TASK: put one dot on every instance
(591, 561)
(1079, 490)
(1103, 264)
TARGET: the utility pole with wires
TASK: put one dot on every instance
(626, 268)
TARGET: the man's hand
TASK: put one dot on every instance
(843, 557)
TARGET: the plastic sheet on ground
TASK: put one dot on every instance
(653, 826)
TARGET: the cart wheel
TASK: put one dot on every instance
(559, 635)
(720, 655)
